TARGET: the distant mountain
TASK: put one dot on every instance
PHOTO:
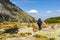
(53, 20)
(10, 12)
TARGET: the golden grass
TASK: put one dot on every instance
(12, 24)
(40, 37)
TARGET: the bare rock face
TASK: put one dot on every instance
(5, 0)
(14, 12)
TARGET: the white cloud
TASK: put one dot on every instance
(58, 11)
(14, 2)
(49, 12)
(32, 11)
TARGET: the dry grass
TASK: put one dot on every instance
(40, 37)
(18, 35)
(12, 24)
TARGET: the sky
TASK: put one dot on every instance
(39, 8)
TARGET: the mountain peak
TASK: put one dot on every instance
(10, 12)
(4, 0)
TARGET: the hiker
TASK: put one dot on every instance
(39, 23)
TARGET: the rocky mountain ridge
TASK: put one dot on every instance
(10, 12)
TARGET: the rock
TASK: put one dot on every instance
(11, 30)
(13, 13)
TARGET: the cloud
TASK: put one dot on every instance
(58, 11)
(14, 2)
(32, 11)
(49, 12)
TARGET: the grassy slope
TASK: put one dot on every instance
(53, 20)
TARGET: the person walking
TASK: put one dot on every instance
(39, 23)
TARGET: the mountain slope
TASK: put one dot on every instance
(53, 20)
(10, 12)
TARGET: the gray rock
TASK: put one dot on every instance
(13, 12)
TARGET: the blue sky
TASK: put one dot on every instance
(39, 8)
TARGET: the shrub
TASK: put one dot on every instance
(51, 21)
(52, 39)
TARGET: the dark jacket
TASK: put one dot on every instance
(39, 23)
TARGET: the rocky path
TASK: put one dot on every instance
(23, 38)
